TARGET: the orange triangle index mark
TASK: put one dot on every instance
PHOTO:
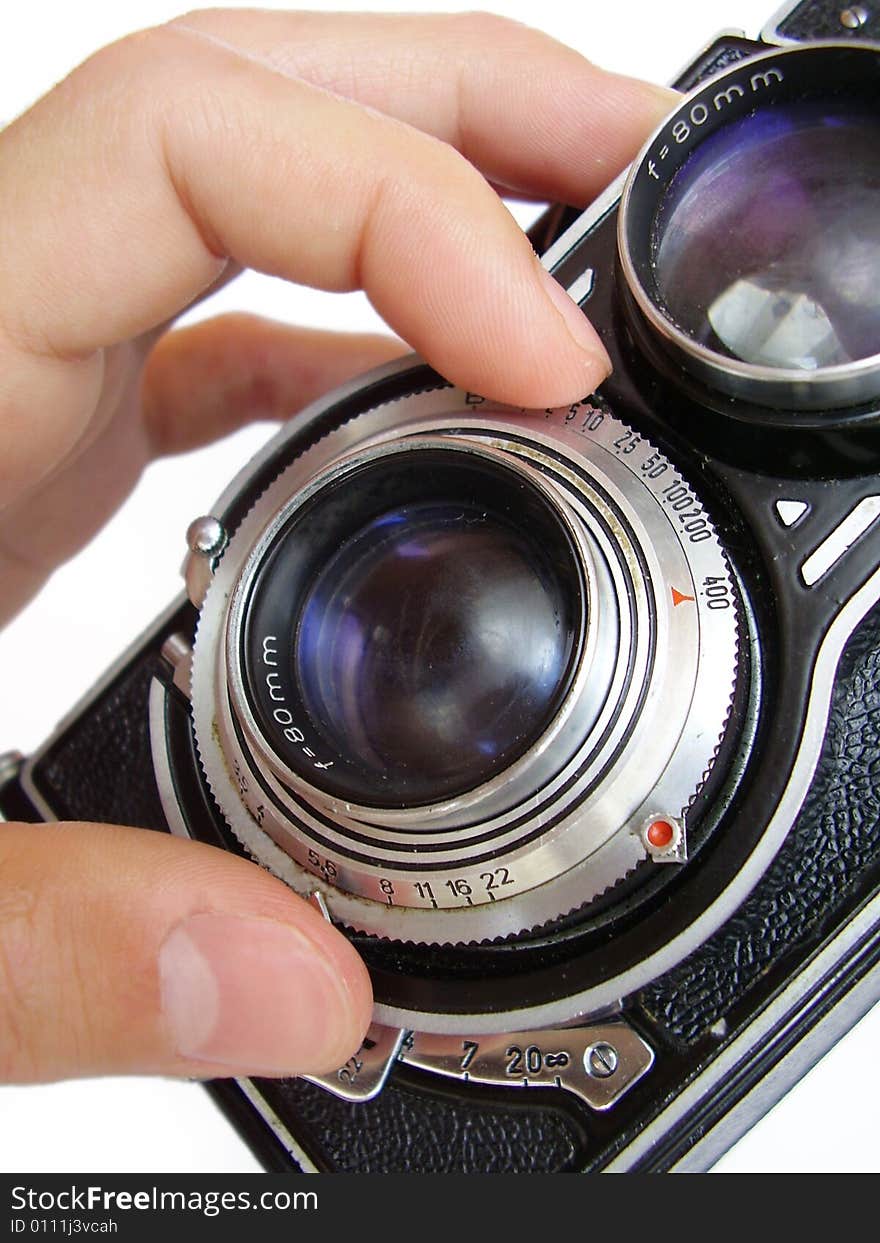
(678, 598)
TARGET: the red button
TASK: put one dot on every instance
(660, 833)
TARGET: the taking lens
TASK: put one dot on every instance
(767, 241)
(421, 619)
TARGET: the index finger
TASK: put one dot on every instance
(126, 190)
(533, 115)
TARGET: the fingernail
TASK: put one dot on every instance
(637, 96)
(579, 327)
(667, 99)
(251, 993)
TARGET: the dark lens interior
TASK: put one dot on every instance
(767, 242)
(427, 613)
(431, 644)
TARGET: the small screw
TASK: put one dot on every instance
(854, 17)
(601, 1060)
(206, 536)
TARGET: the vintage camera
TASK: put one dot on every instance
(569, 718)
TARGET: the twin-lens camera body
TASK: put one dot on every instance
(568, 718)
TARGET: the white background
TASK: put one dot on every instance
(94, 606)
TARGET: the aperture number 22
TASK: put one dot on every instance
(460, 888)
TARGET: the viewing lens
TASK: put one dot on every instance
(766, 243)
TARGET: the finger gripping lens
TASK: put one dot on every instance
(749, 231)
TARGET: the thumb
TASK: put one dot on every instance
(127, 951)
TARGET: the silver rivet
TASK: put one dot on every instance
(600, 1060)
(854, 17)
(206, 536)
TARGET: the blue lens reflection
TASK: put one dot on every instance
(767, 242)
(432, 644)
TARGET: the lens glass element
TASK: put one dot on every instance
(430, 645)
(414, 628)
(767, 242)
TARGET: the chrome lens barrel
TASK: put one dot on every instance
(633, 722)
(749, 230)
(415, 628)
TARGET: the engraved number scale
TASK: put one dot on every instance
(663, 610)
(598, 1064)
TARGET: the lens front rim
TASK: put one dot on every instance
(492, 798)
(341, 505)
(802, 68)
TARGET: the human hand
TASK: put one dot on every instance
(320, 149)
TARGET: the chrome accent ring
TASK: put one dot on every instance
(593, 843)
(660, 159)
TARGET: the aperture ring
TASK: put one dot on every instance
(583, 831)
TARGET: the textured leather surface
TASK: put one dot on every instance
(724, 58)
(101, 768)
(835, 838)
(405, 1129)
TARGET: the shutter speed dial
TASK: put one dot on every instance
(463, 667)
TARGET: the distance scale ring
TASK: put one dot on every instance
(645, 750)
